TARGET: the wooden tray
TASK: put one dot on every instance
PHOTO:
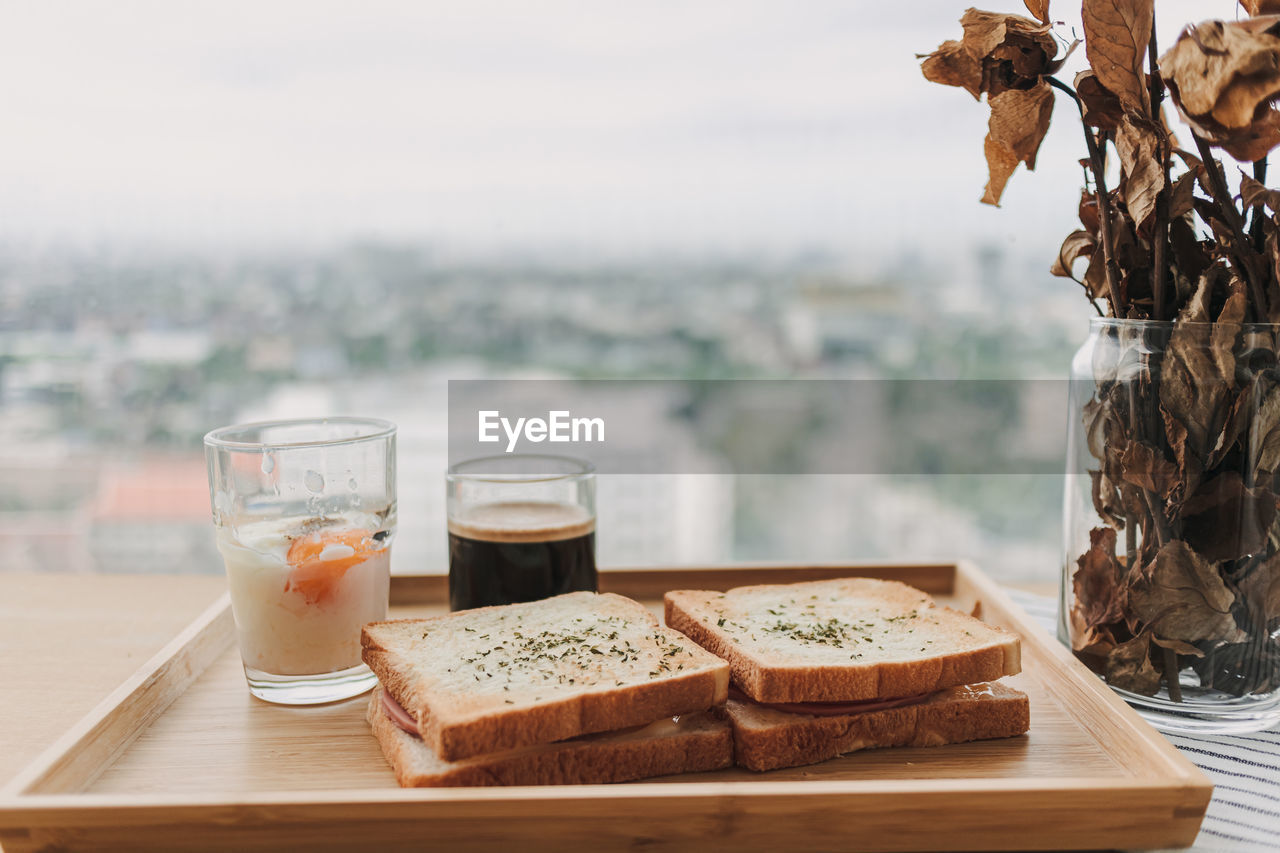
(182, 757)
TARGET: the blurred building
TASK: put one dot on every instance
(152, 516)
(834, 319)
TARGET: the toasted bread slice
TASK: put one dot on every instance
(766, 739)
(844, 640)
(687, 744)
(498, 678)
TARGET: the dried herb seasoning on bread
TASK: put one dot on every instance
(825, 668)
(845, 640)
(496, 678)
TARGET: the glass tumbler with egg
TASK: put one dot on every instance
(304, 512)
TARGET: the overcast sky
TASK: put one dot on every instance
(620, 126)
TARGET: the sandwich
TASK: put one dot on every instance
(823, 668)
(579, 688)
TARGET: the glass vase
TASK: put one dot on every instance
(1171, 577)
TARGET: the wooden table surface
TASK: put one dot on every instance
(66, 641)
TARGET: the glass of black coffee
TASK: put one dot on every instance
(521, 527)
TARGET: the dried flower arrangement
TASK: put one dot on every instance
(1184, 426)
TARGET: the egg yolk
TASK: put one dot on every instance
(320, 559)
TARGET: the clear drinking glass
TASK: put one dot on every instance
(521, 527)
(304, 512)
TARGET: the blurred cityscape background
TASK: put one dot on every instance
(212, 213)
(106, 391)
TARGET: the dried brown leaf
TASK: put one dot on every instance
(1261, 588)
(1124, 246)
(1176, 646)
(1097, 641)
(1184, 598)
(1129, 667)
(1103, 428)
(1168, 128)
(1219, 74)
(1224, 520)
(1014, 51)
(1142, 175)
(1095, 415)
(1190, 257)
(1000, 165)
(1253, 142)
(1098, 591)
(1095, 277)
(1011, 66)
(952, 65)
(1131, 499)
(1019, 121)
(1088, 211)
(1116, 34)
(1255, 7)
(1253, 193)
(1226, 329)
(1056, 65)
(1106, 499)
(1191, 161)
(1262, 431)
(1198, 306)
(1249, 143)
(1079, 244)
(1273, 289)
(1212, 214)
(998, 52)
(1190, 466)
(1198, 373)
(1145, 468)
(1180, 197)
(1039, 10)
(985, 31)
(1261, 24)
(1102, 109)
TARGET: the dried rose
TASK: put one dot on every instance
(1222, 77)
(1005, 57)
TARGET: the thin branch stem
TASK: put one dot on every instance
(1241, 253)
(1157, 518)
(1171, 674)
(1105, 223)
(1104, 202)
(1130, 541)
(1159, 275)
(1155, 83)
(1138, 427)
(1255, 230)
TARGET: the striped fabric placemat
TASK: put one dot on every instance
(1244, 814)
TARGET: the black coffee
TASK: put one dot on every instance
(501, 553)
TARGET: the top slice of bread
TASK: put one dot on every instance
(844, 640)
(495, 678)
